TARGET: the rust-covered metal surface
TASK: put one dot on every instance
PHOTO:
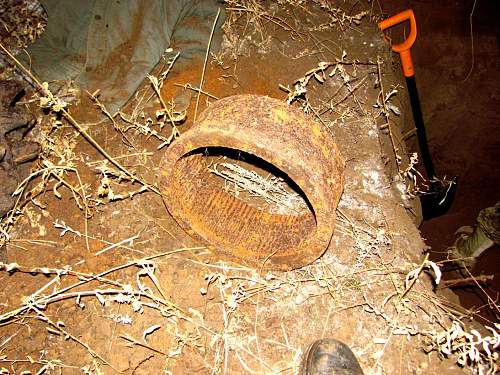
(278, 134)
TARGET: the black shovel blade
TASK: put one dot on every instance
(439, 198)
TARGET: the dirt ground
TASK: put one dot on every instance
(99, 279)
(459, 90)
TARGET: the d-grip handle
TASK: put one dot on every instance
(403, 48)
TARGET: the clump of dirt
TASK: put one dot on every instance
(17, 147)
(100, 279)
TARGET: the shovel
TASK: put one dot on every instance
(437, 200)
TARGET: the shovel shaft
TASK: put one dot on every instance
(419, 125)
(404, 50)
(438, 199)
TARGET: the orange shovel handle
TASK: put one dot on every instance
(403, 48)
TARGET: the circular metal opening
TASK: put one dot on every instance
(256, 179)
(239, 201)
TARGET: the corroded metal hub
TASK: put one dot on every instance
(274, 134)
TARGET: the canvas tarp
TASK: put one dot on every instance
(112, 45)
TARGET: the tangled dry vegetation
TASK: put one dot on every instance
(22, 22)
(389, 292)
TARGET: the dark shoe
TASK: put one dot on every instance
(329, 357)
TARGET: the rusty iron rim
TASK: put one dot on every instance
(285, 138)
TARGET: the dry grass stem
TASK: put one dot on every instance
(205, 65)
(272, 189)
(190, 87)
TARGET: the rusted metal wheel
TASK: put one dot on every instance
(278, 143)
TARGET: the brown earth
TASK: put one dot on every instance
(163, 303)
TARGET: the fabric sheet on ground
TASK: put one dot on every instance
(113, 45)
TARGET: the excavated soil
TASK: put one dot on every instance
(99, 279)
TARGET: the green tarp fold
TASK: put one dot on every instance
(112, 45)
